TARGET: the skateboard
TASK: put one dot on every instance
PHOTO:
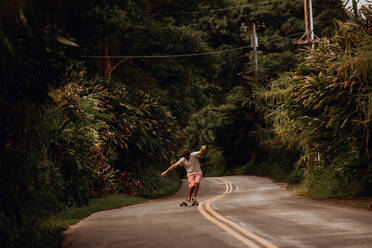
(184, 204)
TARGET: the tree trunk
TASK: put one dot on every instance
(100, 62)
(107, 59)
(104, 65)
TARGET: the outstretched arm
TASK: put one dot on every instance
(169, 169)
(202, 149)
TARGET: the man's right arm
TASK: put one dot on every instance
(173, 166)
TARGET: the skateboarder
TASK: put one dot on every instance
(190, 161)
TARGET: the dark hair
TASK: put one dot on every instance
(186, 154)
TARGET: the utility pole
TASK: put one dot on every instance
(309, 32)
(254, 43)
(309, 25)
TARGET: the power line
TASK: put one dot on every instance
(186, 55)
(283, 37)
(169, 56)
(212, 10)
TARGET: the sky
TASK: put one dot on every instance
(361, 2)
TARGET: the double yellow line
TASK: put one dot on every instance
(245, 236)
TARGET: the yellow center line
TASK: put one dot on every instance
(237, 226)
(227, 229)
(230, 231)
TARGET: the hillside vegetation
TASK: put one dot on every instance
(98, 97)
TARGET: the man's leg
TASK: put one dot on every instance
(191, 183)
(197, 180)
(189, 193)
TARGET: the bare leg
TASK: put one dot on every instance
(196, 189)
(191, 184)
(190, 191)
(197, 183)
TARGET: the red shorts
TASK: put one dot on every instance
(194, 178)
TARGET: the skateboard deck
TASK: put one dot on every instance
(185, 204)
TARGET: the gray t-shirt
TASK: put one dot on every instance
(192, 165)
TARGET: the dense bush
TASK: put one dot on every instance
(74, 129)
(228, 128)
(71, 154)
(323, 110)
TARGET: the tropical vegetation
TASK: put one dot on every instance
(98, 97)
(322, 109)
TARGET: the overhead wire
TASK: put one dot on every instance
(186, 55)
(193, 54)
(213, 10)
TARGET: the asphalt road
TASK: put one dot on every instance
(238, 211)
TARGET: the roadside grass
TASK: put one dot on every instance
(284, 173)
(357, 202)
(362, 203)
(53, 227)
(71, 216)
(156, 186)
(298, 189)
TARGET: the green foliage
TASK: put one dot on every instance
(70, 216)
(81, 128)
(32, 182)
(71, 147)
(155, 186)
(52, 165)
(223, 127)
(233, 122)
(213, 163)
(322, 110)
(34, 56)
(281, 171)
(345, 177)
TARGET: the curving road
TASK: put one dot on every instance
(238, 211)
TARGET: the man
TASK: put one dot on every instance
(190, 161)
